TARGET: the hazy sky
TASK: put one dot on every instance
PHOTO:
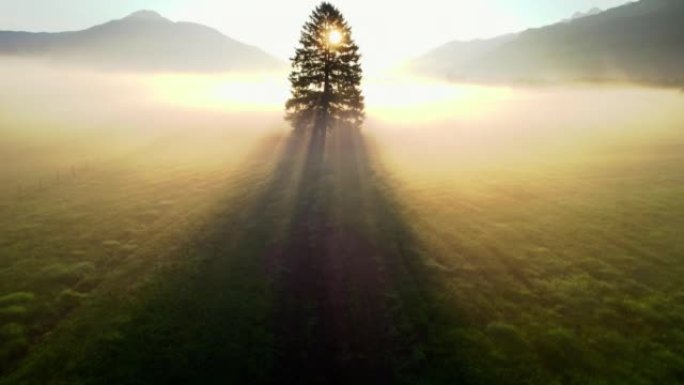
(386, 30)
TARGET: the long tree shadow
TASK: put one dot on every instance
(315, 278)
(355, 301)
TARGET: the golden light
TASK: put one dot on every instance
(334, 37)
(234, 92)
(404, 99)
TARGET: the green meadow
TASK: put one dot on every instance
(533, 237)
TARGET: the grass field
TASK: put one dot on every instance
(559, 248)
(533, 237)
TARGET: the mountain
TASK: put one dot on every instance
(579, 15)
(638, 42)
(142, 41)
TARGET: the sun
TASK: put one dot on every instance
(334, 37)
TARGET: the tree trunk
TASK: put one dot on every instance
(325, 103)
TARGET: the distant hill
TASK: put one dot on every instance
(639, 42)
(579, 15)
(142, 41)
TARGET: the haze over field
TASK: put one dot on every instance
(160, 221)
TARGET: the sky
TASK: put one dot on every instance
(387, 31)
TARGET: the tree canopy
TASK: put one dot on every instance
(326, 74)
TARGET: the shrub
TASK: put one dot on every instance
(12, 331)
(17, 298)
(69, 299)
(13, 310)
(68, 274)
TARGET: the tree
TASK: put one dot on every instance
(326, 74)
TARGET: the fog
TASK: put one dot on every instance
(422, 126)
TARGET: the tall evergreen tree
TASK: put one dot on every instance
(326, 74)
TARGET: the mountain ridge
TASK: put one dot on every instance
(637, 42)
(141, 41)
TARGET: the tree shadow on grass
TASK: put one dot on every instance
(354, 301)
(314, 278)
